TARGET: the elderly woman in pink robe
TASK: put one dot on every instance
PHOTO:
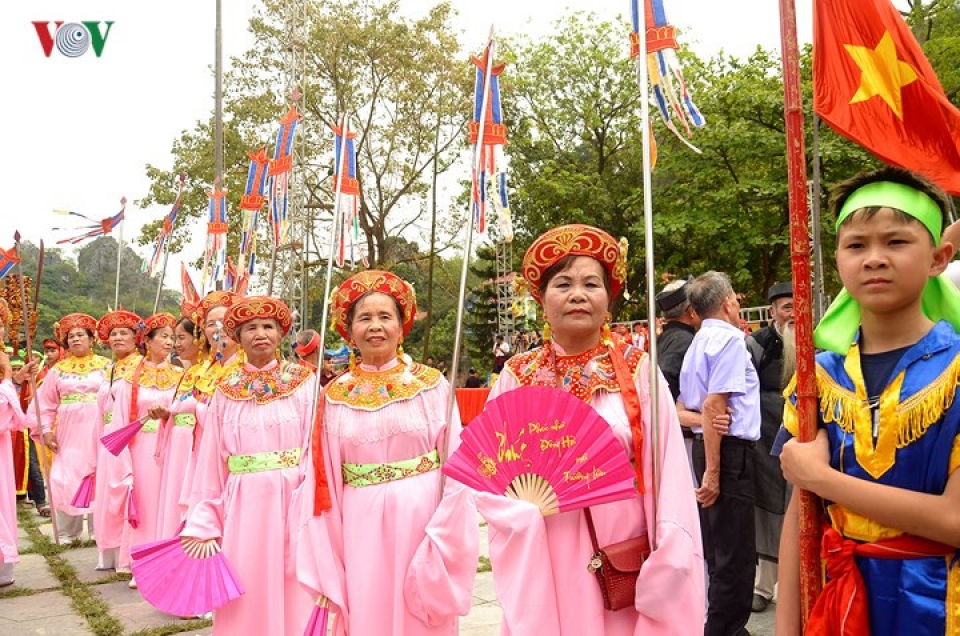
(248, 469)
(540, 564)
(386, 550)
(11, 419)
(67, 402)
(141, 393)
(118, 330)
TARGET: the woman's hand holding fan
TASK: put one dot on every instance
(184, 576)
(544, 446)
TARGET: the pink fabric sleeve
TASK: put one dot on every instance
(519, 554)
(47, 402)
(119, 468)
(320, 552)
(670, 589)
(439, 580)
(11, 415)
(522, 570)
(206, 519)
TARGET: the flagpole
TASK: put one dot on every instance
(123, 220)
(163, 275)
(644, 82)
(468, 248)
(42, 449)
(810, 574)
(328, 277)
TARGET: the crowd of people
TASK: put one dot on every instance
(324, 488)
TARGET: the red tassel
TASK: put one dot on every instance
(631, 402)
(321, 493)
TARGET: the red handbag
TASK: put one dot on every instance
(617, 567)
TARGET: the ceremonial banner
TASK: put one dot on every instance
(874, 86)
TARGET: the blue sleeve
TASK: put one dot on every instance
(783, 436)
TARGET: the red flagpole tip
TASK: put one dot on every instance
(16, 236)
(123, 200)
(295, 96)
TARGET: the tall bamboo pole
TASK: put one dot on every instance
(644, 84)
(116, 290)
(802, 298)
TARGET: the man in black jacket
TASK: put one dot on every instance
(770, 488)
(680, 324)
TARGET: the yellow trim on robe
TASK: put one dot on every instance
(953, 598)
(954, 457)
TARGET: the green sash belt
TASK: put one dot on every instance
(185, 419)
(150, 426)
(259, 462)
(78, 398)
(360, 475)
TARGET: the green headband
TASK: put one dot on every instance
(887, 194)
(940, 300)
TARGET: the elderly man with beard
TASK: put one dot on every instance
(771, 490)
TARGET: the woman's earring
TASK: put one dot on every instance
(546, 331)
(605, 337)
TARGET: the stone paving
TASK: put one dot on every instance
(37, 606)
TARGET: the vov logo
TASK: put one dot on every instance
(72, 39)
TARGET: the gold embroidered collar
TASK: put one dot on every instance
(263, 385)
(82, 366)
(190, 377)
(582, 375)
(368, 390)
(162, 377)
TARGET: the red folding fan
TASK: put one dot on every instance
(544, 446)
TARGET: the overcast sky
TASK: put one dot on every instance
(81, 130)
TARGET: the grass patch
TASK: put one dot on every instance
(116, 577)
(175, 628)
(14, 592)
(85, 601)
(484, 565)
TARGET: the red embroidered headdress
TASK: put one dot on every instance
(574, 240)
(158, 321)
(373, 280)
(219, 298)
(114, 319)
(252, 307)
(73, 321)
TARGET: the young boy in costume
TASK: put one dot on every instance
(886, 456)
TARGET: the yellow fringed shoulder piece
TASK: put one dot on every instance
(927, 406)
(791, 420)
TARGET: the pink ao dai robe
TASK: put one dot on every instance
(389, 559)
(540, 564)
(178, 454)
(135, 472)
(252, 513)
(11, 419)
(108, 507)
(78, 426)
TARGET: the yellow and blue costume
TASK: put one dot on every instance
(916, 447)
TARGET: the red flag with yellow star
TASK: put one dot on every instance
(873, 85)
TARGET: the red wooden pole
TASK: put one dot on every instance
(810, 578)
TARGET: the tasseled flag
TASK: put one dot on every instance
(253, 197)
(346, 186)
(232, 275)
(279, 174)
(8, 259)
(666, 76)
(167, 228)
(191, 298)
(488, 122)
(248, 241)
(216, 251)
(99, 228)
